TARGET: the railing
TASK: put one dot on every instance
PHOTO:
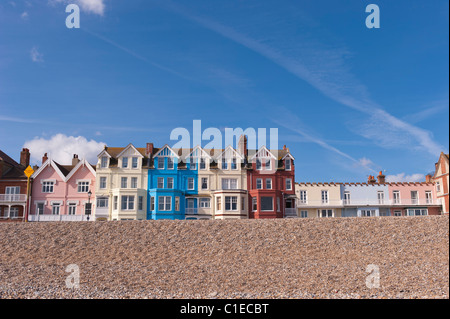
(369, 202)
(11, 198)
(290, 212)
(318, 203)
(191, 211)
(57, 218)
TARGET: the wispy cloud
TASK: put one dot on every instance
(325, 69)
(90, 6)
(36, 56)
(433, 109)
(24, 15)
(402, 177)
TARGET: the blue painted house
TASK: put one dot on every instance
(171, 181)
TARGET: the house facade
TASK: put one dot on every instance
(121, 188)
(318, 200)
(61, 192)
(441, 180)
(172, 185)
(13, 187)
(271, 183)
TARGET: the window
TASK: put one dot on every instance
(134, 162)
(346, 198)
(303, 214)
(140, 202)
(243, 203)
(47, 187)
(124, 162)
(115, 202)
(268, 183)
(170, 182)
(229, 183)
(234, 163)
(13, 193)
(287, 164)
(134, 182)
(324, 197)
(177, 203)
(170, 163)
(102, 182)
(288, 184)
(397, 213)
(13, 212)
(102, 202)
(266, 203)
(268, 164)
(40, 208)
(124, 182)
(160, 182)
(368, 212)
(219, 203)
(56, 208)
(83, 186)
(160, 162)
(258, 164)
(380, 197)
(190, 183)
(254, 204)
(438, 186)
(417, 212)
(104, 162)
(396, 195)
(303, 197)
(202, 163)
(204, 183)
(325, 213)
(164, 203)
(193, 163)
(429, 197)
(230, 203)
(278, 204)
(259, 183)
(414, 198)
(127, 203)
(152, 203)
(205, 202)
(224, 163)
(73, 209)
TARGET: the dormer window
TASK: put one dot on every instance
(134, 162)
(160, 162)
(224, 163)
(193, 163)
(202, 163)
(287, 164)
(104, 162)
(268, 164)
(170, 164)
(124, 162)
(258, 164)
(234, 163)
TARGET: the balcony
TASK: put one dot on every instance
(58, 218)
(290, 212)
(191, 211)
(13, 198)
(319, 203)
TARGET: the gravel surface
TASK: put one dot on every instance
(283, 258)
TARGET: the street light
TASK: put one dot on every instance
(88, 205)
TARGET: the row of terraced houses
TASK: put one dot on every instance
(149, 183)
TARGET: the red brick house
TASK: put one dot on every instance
(271, 183)
(13, 186)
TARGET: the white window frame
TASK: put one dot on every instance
(254, 204)
(303, 214)
(160, 183)
(102, 202)
(289, 184)
(268, 185)
(429, 197)
(83, 186)
(267, 210)
(124, 162)
(102, 182)
(205, 180)
(134, 162)
(229, 182)
(134, 182)
(205, 202)
(234, 165)
(303, 197)
(56, 206)
(160, 161)
(202, 164)
(165, 202)
(396, 197)
(104, 161)
(287, 166)
(127, 203)
(170, 163)
(232, 202)
(140, 202)
(324, 197)
(224, 164)
(327, 211)
(259, 183)
(124, 182)
(191, 183)
(170, 184)
(48, 186)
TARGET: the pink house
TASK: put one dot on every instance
(414, 199)
(61, 192)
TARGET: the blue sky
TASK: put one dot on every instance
(348, 101)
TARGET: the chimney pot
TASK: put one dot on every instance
(75, 160)
(428, 178)
(25, 157)
(44, 158)
(149, 150)
(381, 178)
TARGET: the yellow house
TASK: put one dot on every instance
(318, 200)
(121, 183)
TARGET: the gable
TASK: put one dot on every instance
(130, 150)
(263, 152)
(166, 151)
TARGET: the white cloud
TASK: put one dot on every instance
(36, 56)
(91, 6)
(61, 148)
(24, 15)
(402, 177)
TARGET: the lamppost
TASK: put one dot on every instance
(88, 205)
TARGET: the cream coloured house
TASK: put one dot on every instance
(121, 183)
(318, 200)
(441, 180)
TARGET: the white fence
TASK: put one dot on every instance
(58, 218)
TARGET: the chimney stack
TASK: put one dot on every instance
(429, 178)
(75, 160)
(149, 150)
(1, 167)
(25, 157)
(242, 145)
(44, 158)
(371, 180)
(381, 178)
